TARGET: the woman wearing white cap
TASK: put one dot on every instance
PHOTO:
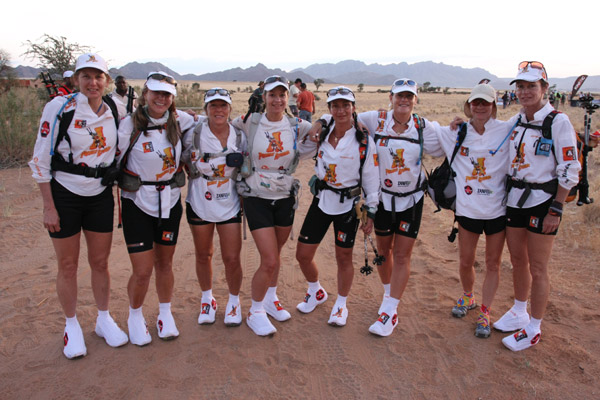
(480, 167)
(275, 143)
(213, 153)
(70, 175)
(543, 169)
(400, 139)
(150, 152)
(345, 165)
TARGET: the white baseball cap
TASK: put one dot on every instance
(273, 81)
(159, 81)
(531, 71)
(340, 92)
(67, 74)
(91, 60)
(404, 85)
(217, 93)
(482, 91)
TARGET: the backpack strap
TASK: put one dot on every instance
(420, 125)
(460, 138)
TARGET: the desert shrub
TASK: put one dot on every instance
(20, 112)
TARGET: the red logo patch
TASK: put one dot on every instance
(534, 222)
(148, 148)
(569, 153)
(320, 294)
(404, 226)
(464, 151)
(468, 190)
(80, 123)
(387, 183)
(208, 196)
(168, 236)
(45, 129)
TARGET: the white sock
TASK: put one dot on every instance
(392, 304)
(256, 306)
(103, 315)
(313, 286)
(164, 308)
(341, 301)
(72, 322)
(136, 312)
(535, 324)
(386, 288)
(272, 292)
(234, 299)
(207, 296)
(520, 306)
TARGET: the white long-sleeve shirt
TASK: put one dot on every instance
(93, 143)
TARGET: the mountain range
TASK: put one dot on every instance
(351, 72)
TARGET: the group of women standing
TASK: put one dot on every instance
(376, 154)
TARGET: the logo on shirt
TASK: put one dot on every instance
(330, 175)
(376, 159)
(98, 146)
(80, 123)
(168, 162)
(218, 172)
(519, 160)
(148, 147)
(468, 190)
(397, 163)
(569, 153)
(464, 151)
(387, 183)
(208, 196)
(45, 129)
(478, 170)
(275, 148)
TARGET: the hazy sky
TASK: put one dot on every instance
(200, 36)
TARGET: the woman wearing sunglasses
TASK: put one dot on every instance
(275, 143)
(480, 167)
(213, 153)
(543, 168)
(344, 166)
(150, 152)
(75, 197)
(400, 139)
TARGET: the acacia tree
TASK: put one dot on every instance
(361, 87)
(318, 82)
(5, 67)
(54, 54)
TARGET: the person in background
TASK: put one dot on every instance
(293, 97)
(542, 172)
(213, 201)
(255, 102)
(306, 103)
(120, 95)
(68, 86)
(75, 200)
(150, 152)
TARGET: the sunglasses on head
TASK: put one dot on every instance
(214, 92)
(342, 91)
(523, 65)
(161, 77)
(275, 78)
(404, 82)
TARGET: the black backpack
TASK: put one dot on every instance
(441, 185)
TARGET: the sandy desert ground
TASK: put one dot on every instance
(430, 354)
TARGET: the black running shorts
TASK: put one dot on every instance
(406, 223)
(264, 213)
(530, 218)
(90, 213)
(317, 223)
(141, 230)
(478, 226)
(194, 219)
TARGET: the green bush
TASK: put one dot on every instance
(20, 112)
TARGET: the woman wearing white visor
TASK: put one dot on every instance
(345, 167)
(543, 169)
(213, 153)
(150, 152)
(480, 167)
(275, 144)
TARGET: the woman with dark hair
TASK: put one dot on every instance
(150, 152)
(543, 169)
(70, 175)
(345, 166)
(275, 144)
(211, 151)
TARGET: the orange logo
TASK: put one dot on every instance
(519, 160)
(218, 172)
(330, 175)
(98, 146)
(168, 162)
(478, 170)
(275, 147)
(398, 163)
(92, 58)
